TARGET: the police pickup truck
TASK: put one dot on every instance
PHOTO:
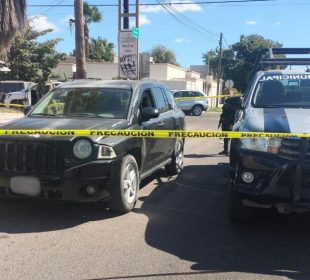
(272, 172)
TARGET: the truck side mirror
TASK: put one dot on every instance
(149, 113)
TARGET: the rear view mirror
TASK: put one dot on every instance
(149, 113)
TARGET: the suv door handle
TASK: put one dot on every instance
(160, 124)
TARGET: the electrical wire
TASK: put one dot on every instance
(189, 20)
(157, 4)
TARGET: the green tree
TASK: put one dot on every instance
(91, 15)
(12, 20)
(161, 54)
(101, 50)
(239, 60)
(211, 60)
(31, 60)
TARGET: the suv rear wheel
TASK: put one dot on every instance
(126, 190)
(197, 110)
(176, 165)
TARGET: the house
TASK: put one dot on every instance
(173, 76)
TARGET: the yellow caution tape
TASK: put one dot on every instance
(151, 133)
(12, 105)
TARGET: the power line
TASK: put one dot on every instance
(225, 41)
(159, 4)
(193, 26)
(192, 22)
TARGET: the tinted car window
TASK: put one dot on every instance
(195, 94)
(178, 94)
(160, 100)
(11, 87)
(93, 102)
(170, 99)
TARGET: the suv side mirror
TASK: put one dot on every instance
(235, 101)
(149, 113)
(26, 110)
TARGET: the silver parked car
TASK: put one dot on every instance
(194, 102)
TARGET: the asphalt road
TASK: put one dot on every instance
(179, 230)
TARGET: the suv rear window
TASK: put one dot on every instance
(282, 90)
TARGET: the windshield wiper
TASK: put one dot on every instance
(45, 114)
(92, 115)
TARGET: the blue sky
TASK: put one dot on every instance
(285, 21)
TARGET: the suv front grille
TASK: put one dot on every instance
(31, 157)
(290, 149)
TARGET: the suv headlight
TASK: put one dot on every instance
(106, 152)
(82, 149)
(268, 145)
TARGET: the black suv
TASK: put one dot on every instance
(91, 168)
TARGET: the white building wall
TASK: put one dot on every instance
(64, 70)
(175, 72)
(158, 71)
(104, 71)
(174, 77)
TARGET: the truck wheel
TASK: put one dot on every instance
(197, 110)
(237, 212)
(176, 165)
(125, 191)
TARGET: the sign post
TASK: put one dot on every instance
(128, 52)
(128, 55)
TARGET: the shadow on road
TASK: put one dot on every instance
(187, 218)
(26, 217)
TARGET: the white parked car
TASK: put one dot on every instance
(15, 92)
(194, 102)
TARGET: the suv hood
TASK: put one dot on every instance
(65, 123)
(286, 120)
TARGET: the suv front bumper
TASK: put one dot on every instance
(277, 181)
(72, 184)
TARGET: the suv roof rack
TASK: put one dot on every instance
(267, 57)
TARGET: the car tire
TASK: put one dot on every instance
(176, 165)
(125, 191)
(197, 110)
(237, 211)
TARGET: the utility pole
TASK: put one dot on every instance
(126, 12)
(79, 40)
(219, 70)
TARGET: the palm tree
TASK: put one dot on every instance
(101, 50)
(91, 15)
(12, 21)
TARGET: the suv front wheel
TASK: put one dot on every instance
(125, 192)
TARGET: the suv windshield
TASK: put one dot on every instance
(85, 102)
(282, 90)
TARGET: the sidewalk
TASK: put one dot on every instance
(7, 117)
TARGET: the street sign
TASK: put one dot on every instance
(229, 84)
(128, 55)
(135, 32)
